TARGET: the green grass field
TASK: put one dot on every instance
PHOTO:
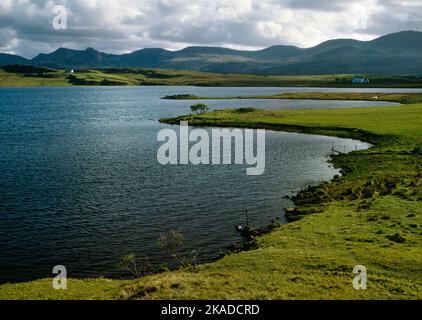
(371, 216)
(405, 98)
(396, 127)
(23, 76)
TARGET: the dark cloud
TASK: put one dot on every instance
(215, 33)
(396, 16)
(126, 25)
(323, 5)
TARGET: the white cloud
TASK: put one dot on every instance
(126, 25)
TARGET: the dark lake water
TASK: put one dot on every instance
(80, 185)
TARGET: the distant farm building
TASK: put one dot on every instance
(360, 80)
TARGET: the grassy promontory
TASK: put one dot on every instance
(371, 216)
(361, 96)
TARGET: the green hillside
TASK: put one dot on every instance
(397, 53)
(21, 76)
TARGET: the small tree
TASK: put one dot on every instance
(136, 267)
(199, 108)
(173, 242)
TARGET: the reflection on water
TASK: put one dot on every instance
(80, 185)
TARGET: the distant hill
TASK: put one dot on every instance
(6, 59)
(397, 53)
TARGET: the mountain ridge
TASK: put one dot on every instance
(396, 53)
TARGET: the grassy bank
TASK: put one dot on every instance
(22, 76)
(371, 216)
(92, 289)
(395, 128)
(405, 98)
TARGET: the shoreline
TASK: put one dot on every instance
(313, 203)
(396, 97)
(338, 132)
(223, 85)
(15, 75)
(246, 244)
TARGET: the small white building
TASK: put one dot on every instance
(360, 80)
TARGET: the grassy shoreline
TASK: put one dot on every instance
(27, 76)
(371, 215)
(404, 98)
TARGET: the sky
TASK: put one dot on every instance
(29, 27)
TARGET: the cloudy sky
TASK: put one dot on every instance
(26, 26)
